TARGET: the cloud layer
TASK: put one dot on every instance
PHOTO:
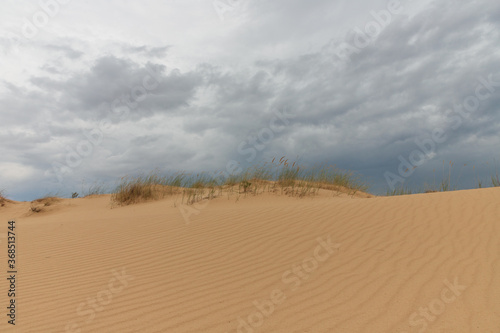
(192, 85)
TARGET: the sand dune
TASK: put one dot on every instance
(267, 263)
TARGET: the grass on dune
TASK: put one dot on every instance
(39, 205)
(447, 183)
(495, 181)
(143, 188)
(277, 176)
(402, 190)
(3, 199)
(95, 188)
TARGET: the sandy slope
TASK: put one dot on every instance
(420, 263)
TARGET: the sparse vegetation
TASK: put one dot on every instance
(277, 176)
(46, 201)
(246, 185)
(495, 181)
(447, 183)
(94, 189)
(41, 204)
(143, 188)
(3, 199)
(402, 190)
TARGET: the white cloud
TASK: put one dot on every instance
(10, 173)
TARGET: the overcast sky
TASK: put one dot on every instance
(92, 91)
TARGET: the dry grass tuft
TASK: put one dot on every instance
(3, 199)
(495, 181)
(281, 176)
(143, 188)
(46, 201)
(39, 205)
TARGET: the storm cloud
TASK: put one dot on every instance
(193, 85)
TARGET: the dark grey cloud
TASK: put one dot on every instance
(120, 82)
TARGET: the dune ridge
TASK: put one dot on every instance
(204, 267)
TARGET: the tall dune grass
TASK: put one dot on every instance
(278, 175)
(495, 181)
(143, 188)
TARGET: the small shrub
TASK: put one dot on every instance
(246, 185)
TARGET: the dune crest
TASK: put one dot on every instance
(266, 263)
